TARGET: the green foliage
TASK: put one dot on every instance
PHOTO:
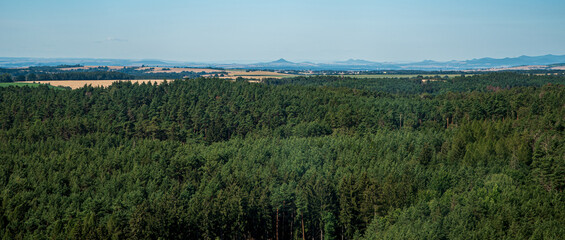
(214, 159)
(432, 85)
(5, 78)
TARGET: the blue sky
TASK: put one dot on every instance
(306, 30)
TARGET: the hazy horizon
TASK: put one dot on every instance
(261, 61)
(262, 31)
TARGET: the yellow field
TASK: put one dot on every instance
(74, 84)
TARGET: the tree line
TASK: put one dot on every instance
(48, 73)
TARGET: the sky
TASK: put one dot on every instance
(298, 30)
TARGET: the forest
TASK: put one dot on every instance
(470, 157)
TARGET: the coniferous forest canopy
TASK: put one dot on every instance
(310, 157)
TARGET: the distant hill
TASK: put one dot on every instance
(522, 60)
(281, 61)
(541, 62)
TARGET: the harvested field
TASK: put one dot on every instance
(74, 84)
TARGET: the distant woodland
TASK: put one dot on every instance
(476, 157)
(48, 73)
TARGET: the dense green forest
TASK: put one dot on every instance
(480, 157)
(431, 85)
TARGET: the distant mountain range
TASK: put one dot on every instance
(27, 62)
(542, 62)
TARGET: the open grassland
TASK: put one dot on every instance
(19, 84)
(74, 84)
